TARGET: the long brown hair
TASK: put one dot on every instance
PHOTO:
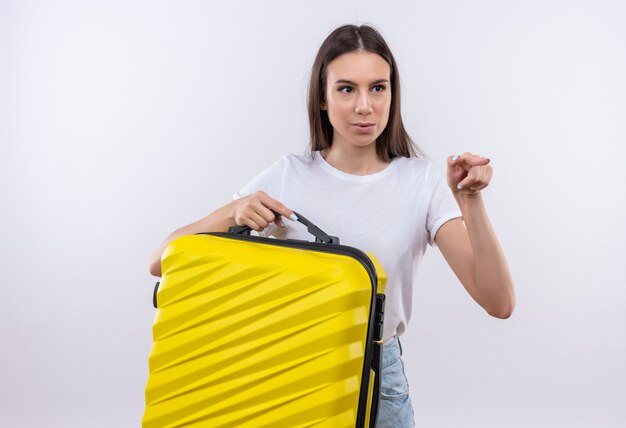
(394, 141)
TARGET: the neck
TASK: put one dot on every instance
(354, 160)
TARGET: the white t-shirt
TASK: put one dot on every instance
(393, 213)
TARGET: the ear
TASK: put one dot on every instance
(323, 105)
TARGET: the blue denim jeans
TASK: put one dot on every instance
(395, 409)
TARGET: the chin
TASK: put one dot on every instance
(360, 144)
(364, 142)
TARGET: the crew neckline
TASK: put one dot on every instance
(319, 159)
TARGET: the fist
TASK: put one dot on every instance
(468, 174)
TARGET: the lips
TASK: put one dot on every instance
(363, 127)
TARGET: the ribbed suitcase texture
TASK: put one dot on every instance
(260, 332)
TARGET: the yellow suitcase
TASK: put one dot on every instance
(262, 332)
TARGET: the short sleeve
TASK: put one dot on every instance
(442, 206)
(270, 181)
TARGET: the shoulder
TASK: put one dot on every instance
(289, 161)
(294, 159)
(293, 163)
(287, 165)
(418, 168)
(413, 162)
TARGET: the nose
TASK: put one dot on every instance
(363, 105)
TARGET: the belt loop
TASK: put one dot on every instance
(399, 345)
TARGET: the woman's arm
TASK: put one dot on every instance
(218, 221)
(471, 247)
(253, 210)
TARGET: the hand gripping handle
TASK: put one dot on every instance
(320, 235)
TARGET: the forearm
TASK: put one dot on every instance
(218, 221)
(493, 280)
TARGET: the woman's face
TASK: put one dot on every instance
(358, 97)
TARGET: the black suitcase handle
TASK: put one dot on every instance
(320, 235)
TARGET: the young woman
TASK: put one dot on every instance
(365, 181)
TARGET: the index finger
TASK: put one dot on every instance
(474, 160)
(278, 208)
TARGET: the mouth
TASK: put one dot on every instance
(363, 126)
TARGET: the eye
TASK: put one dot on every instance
(348, 89)
(381, 88)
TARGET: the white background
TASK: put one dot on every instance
(124, 120)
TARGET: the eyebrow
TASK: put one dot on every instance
(352, 83)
